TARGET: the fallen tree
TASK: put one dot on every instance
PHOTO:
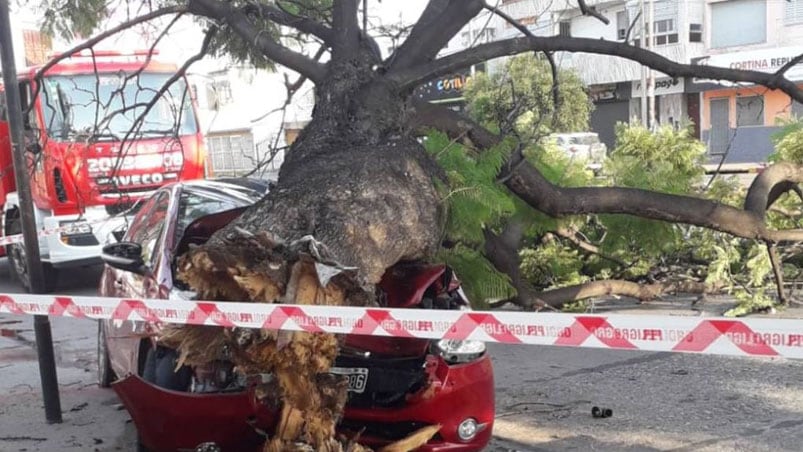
(358, 192)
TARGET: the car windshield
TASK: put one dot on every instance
(194, 204)
(104, 107)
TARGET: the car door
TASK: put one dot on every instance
(148, 229)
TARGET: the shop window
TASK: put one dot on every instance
(750, 111)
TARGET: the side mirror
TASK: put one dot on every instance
(125, 256)
(34, 148)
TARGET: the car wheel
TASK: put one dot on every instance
(141, 447)
(17, 260)
(105, 373)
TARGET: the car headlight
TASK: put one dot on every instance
(458, 352)
(75, 227)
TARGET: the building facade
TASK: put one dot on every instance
(735, 121)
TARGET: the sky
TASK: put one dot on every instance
(186, 35)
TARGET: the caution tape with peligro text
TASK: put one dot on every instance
(708, 335)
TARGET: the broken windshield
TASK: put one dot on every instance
(104, 107)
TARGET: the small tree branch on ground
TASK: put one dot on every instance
(557, 298)
(777, 271)
(571, 236)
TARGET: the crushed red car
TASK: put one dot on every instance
(396, 385)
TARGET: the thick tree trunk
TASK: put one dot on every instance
(357, 194)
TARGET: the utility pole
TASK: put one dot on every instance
(44, 339)
(651, 79)
(643, 69)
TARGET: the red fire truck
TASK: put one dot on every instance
(95, 143)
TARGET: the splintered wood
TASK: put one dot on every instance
(260, 268)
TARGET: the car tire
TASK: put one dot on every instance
(105, 373)
(16, 259)
(141, 447)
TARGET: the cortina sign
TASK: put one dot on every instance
(764, 60)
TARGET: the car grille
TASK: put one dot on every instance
(390, 380)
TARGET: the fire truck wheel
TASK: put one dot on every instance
(18, 264)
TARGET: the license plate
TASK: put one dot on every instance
(358, 377)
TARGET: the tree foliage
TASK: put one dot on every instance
(520, 97)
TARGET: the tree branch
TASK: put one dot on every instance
(794, 61)
(346, 26)
(525, 181)
(571, 236)
(777, 271)
(529, 184)
(408, 78)
(439, 22)
(239, 22)
(771, 184)
(502, 251)
(644, 292)
(300, 23)
(591, 11)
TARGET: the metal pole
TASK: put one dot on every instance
(44, 340)
(651, 77)
(643, 69)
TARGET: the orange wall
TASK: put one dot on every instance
(776, 104)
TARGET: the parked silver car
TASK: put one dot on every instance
(582, 145)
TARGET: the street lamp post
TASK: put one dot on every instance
(44, 339)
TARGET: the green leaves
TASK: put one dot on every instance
(524, 87)
(473, 198)
(70, 19)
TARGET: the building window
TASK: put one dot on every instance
(232, 154)
(218, 94)
(664, 32)
(477, 36)
(793, 11)
(750, 111)
(622, 24)
(565, 28)
(728, 21)
(695, 32)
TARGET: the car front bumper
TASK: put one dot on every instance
(169, 420)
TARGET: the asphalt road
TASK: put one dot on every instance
(660, 401)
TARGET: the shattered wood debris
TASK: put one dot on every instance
(263, 269)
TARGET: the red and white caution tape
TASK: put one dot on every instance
(714, 335)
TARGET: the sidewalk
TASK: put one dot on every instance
(92, 418)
